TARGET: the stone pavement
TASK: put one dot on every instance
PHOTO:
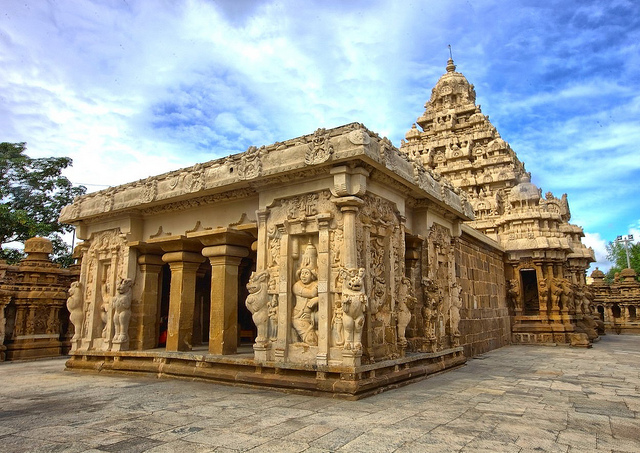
(515, 399)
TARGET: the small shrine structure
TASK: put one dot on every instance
(617, 304)
(34, 320)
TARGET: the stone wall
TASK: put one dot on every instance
(485, 322)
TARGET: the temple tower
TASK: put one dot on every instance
(545, 258)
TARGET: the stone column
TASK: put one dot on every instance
(284, 298)
(349, 207)
(223, 327)
(324, 304)
(184, 266)
(261, 258)
(146, 319)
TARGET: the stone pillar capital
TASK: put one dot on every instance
(348, 204)
(349, 181)
(150, 260)
(182, 256)
(225, 250)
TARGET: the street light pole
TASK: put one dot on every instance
(625, 240)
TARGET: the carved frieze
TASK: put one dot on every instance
(319, 148)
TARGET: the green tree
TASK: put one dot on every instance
(32, 193)
(617, 255)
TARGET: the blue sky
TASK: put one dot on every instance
(133, 88)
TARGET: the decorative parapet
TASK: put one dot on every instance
(274, 164)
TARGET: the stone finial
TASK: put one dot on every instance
(38, 249)
(598, 277)
(450, 66)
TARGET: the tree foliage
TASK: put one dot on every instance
(617, 255)
(32, 193)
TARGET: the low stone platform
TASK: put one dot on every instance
(241, 370)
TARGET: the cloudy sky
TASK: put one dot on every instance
(132, 88)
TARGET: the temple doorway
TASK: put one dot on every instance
(163, 312)
(530, 291)
(202, 308)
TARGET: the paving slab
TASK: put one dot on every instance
(514, 399)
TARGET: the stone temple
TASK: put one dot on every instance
(332, 263)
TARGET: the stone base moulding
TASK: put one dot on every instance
(350, 383)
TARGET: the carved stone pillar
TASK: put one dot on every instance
(609, 315)
(261, 258)
(350, 207)
(146, 319)
(324, 304)
(4, 301)
(184, 266)
(223, 327)
(284, 298)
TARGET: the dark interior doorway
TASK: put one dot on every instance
(202, 308)
(163, 313)
(530, 291)
(615, 310)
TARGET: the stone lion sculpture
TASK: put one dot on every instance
(74, 305)
(122, 310)
(258, 303)
(354, 305)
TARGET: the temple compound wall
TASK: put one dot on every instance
(616, 305)
(34, 320)
(342, 262)
(485, 322)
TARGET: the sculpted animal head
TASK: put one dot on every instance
(356, 282)
(124, 285)
(257, 281)
(74, 289)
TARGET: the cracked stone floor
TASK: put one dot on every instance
(514, 399)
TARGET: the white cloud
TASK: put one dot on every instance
(598, 244)
(129, 89)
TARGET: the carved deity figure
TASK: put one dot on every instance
(272, 329)
(454, 310)
(104, 308)
(405, 303)
(514, 293)
(305, 289)
(258, 303)
(122, 310)
(337, 327)
(430, 309)
(543, 293)
(567, 297)
(354, 305)
(74, 305)
(556, 292)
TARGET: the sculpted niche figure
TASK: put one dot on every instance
(258, 303)
(74, 305)
(122, 310)
(454, 310)
(543, 293)
(514, 293)
(406, 303)
(354, 304)
(305, 289)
